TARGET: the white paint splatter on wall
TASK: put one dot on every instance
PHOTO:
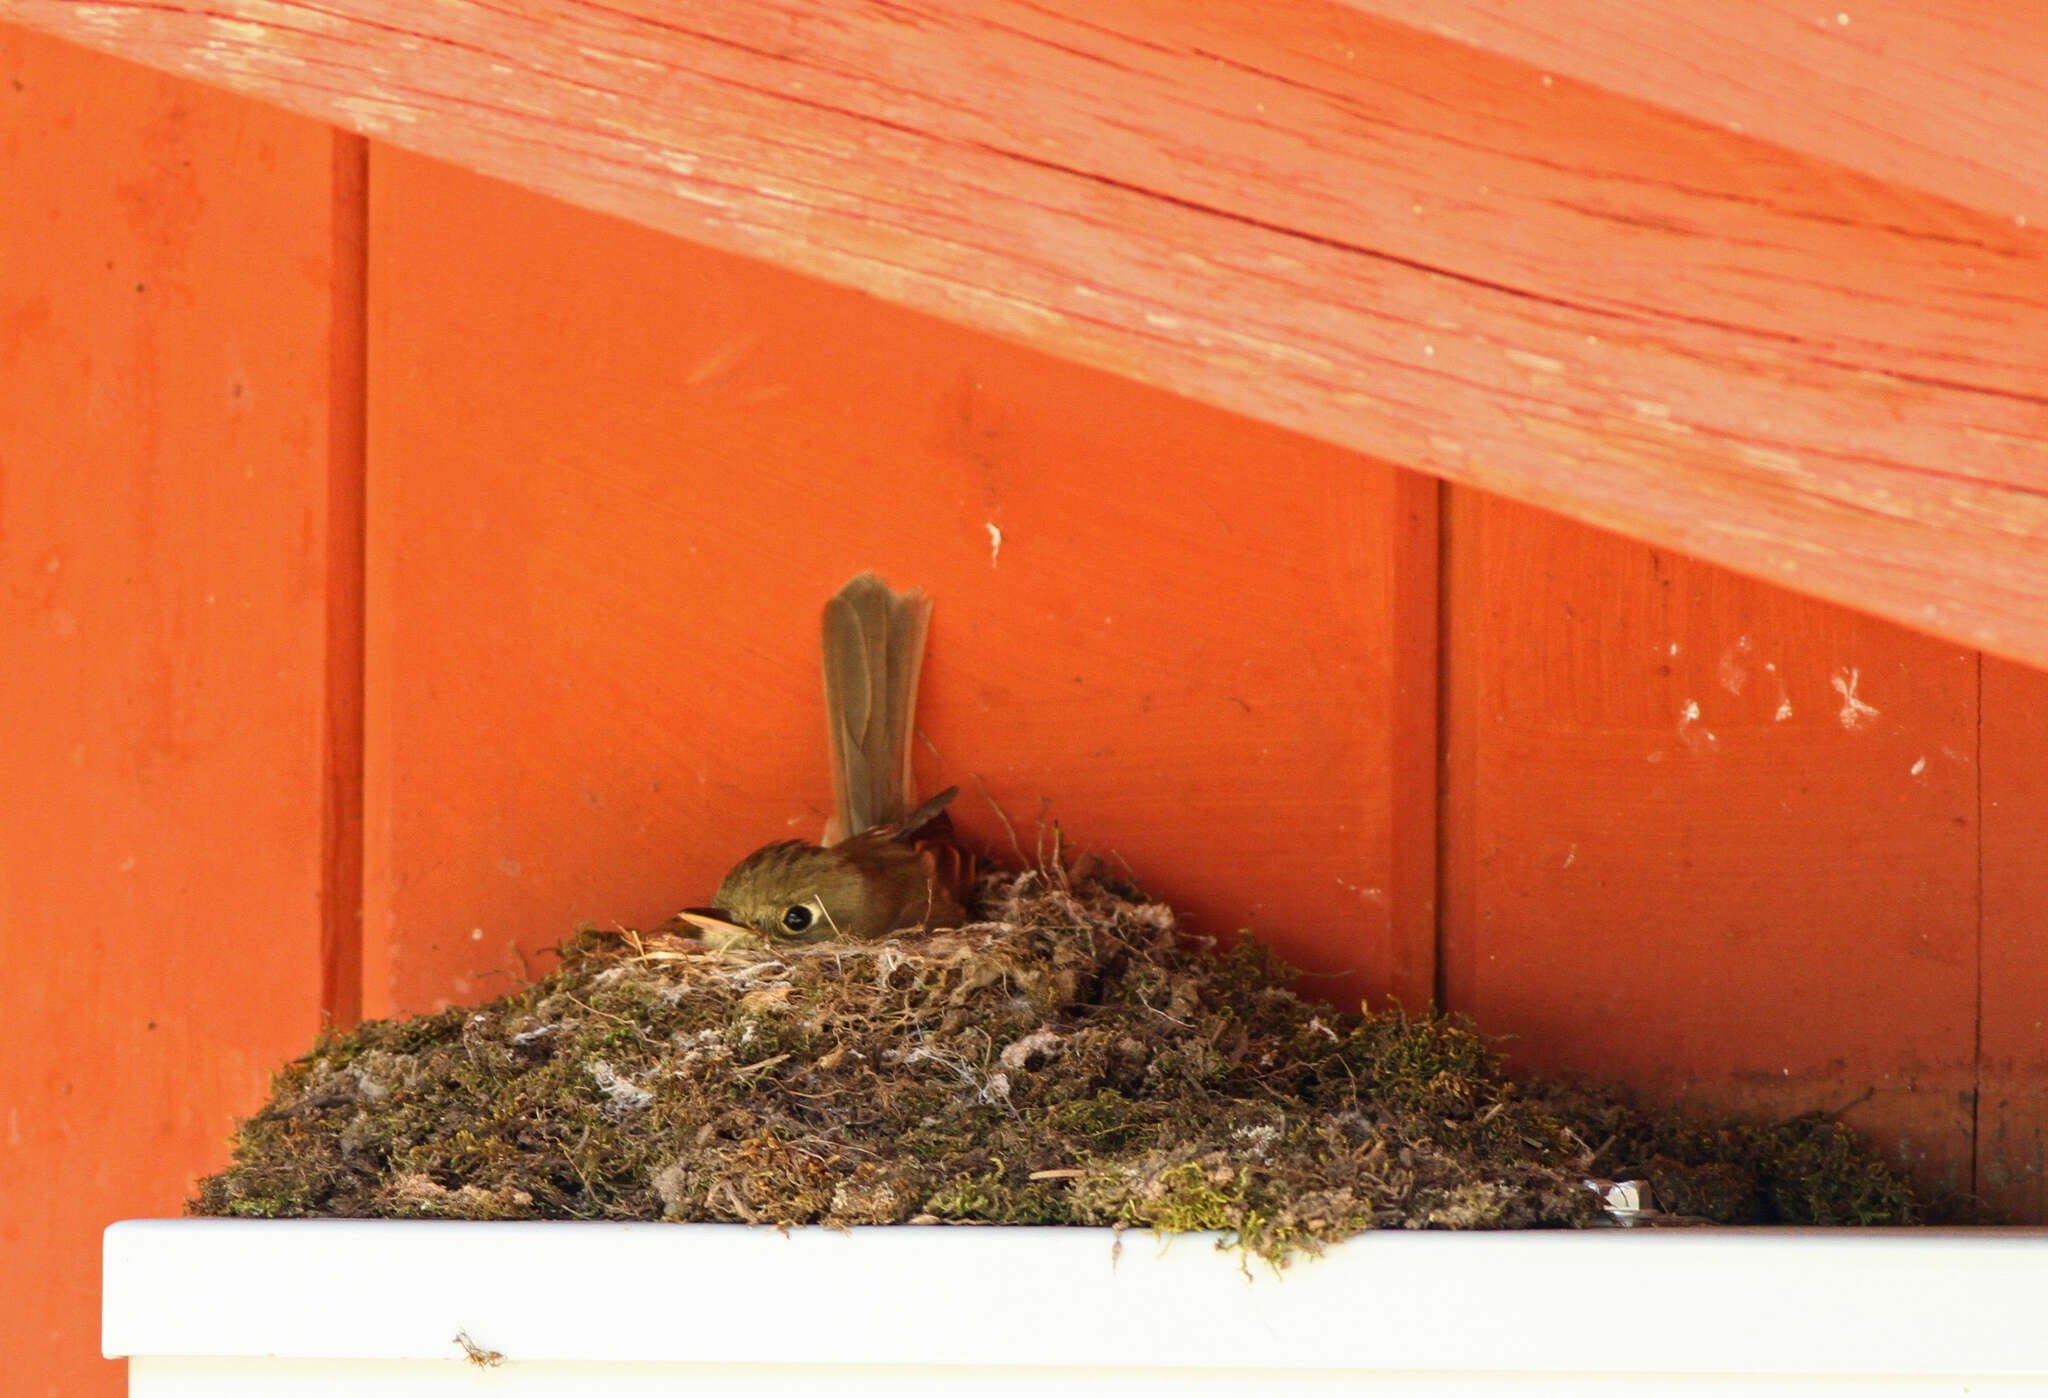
(1784, 695)
(1695, 737)
(1734, 666)
(1855, 711)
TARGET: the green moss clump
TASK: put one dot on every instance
(1071, 1059)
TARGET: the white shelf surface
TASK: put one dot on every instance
(317, 1307)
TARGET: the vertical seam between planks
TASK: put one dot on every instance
(341, 901)
(1440, 964)
(1977, 1026)
(1416, 830)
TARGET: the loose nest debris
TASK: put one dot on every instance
(1072, 1059)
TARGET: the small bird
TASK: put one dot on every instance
(884, 867)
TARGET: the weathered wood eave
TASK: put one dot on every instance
(1945, 98)
(1320, 218)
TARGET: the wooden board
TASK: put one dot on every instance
(1707, 838)
(165, 319)
(1944, 97)
(1310, 216)
(2012, 1117)
(613, 479)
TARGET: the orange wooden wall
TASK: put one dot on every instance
(168, 374)
(614, 477)
(526, 517)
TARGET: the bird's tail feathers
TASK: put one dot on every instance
(873, 651)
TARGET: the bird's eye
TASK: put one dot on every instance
(796, 918)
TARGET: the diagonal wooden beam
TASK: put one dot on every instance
(1945, 96)
(1312, 216)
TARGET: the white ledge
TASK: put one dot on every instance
(1712, 1305)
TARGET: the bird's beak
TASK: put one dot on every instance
(711, 920)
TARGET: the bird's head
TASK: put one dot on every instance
(797, 892)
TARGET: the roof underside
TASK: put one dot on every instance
(1766, 286)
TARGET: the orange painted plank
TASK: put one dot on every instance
(1306, 215)
(1942, 96)
(613, 479)
(2012, 1119)
(1708, 838)
(165, 258)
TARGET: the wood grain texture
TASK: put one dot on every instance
(1304, 214)
(164, 432)
(2012, 1117)
(1942, 96)
(1708, 838)
(598, 553)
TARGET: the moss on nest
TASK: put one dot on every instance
(1071, 1059)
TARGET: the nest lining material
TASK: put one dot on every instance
(1073, 1058)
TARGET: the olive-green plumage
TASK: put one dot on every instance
(876, 883)
(884, 868)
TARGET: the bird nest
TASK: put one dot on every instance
(1071, 1058)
